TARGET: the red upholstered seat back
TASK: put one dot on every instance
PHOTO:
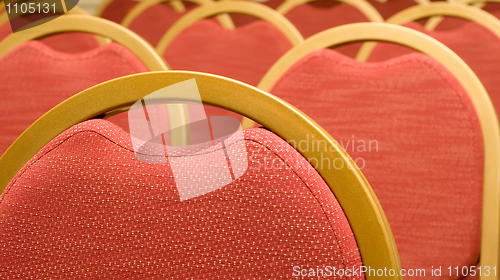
(476, 45)
(242, 19)
(318, 16)
(413, 131)
(35, 78)
(156, 20)
(118, 9)
(244, 54)
(391, 7)
(85, 207)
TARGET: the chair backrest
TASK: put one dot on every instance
(278, 217)
(312, 16)
(391, 7)
(115, 10)
(245, 53)
(152, 18)
(477, 42)
(36, 78)
(416, 126)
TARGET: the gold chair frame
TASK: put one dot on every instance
(363, 6)
(435, 9)
(223, 7)
(178, 6)
(365, 215)
(490, 228)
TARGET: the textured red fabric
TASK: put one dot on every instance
(391, 7)
(413, 131)
(70, 42)
(118, 9)
(35, 78)
(85, 207)
(244, 54)
(318, 16)
(156, 20)
(476, 45)
(449, 23)
(242, 19)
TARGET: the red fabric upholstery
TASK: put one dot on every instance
(476, 45)
(318, 16)
(449, 23)
(35, 78)
(242, 19)
(412, 129)
(85, 206)
(244, 54)
(391, 7)
(155, 21)
(118, 9)
(321, 15)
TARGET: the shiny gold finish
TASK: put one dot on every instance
(363, 6)
(490, 240)
(177, 5)
(350, 187)
(98, 26)
(459, 10)
(253, 9)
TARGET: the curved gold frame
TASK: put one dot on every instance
(363, 6)
(459, 10)
(490, 229)
(254, 9)
(431, 25)
(177, 5)
(88, 24)
(365, 215)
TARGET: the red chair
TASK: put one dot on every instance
(311, 17)
(244, 54)
(152, 18)
(415, 125)
(115, 10)
(84, 206)
(477, 41)
(36, 78)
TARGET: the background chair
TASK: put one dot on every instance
(115, 10)
(390, 7)
(311, 17)
(130, 214)
(477, 42)
(435, 165)
(36, 78)
(152, 18)
(244, 53)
